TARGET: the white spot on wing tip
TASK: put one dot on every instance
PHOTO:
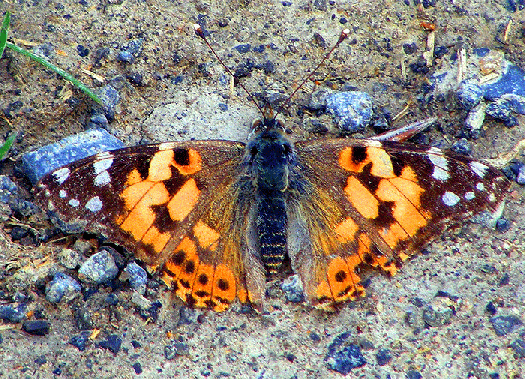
(94, 204)
(492, 198)
(62, 194)
(440, 166)
(74, 203)
(61, 174)
(480, 187)
(102, 165)
(479, 168)
(166, 146)
(102, 179)
(469, 195)
(450, 198)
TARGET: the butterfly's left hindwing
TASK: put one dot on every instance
(376, 204)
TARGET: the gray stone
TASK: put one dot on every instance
(62, 287)
(352, 110)
(99, 268)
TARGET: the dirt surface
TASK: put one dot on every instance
(184, 93)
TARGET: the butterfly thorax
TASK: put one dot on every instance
(270, 155)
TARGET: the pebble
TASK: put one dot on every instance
(413, 374)
(351, 110)
(491, 308)
(519, 348)
(80, 340)
(469, 94)
(243, 49)
(176, 349)
(37, 163)
(36, 327)
(383, 356)
(410, 48)
(10, 194)
(343, 356)
(505, 324)
(11, 314)
(62, 287)
(110, 98)
(70, 258)
(98, 121)
(138, 368)
(99, 268)
(131, 51)
(112, 343)
(293, 289)
(440, 317)
(82, 51)
(136, 275)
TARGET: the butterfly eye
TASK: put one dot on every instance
(254, 151)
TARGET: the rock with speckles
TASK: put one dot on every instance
(99, 268)
(62, 287)
(343, 356)
(352, 110)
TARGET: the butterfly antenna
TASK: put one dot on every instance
(200, 33)
(344, 35)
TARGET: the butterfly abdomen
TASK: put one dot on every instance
(271, 225)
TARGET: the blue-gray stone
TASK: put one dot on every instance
(519, 348)
(10, 314)
(62, 287)
(36, 327)
(469, 94)
(110, 97)
(512, 81)
(98, 121)
(99, 268)
(383, 356)
(137, 275)
(125, 56)
(343, 356)
(80, 341)
(293, 289)
(352, 110)
(10, 195)
(36, 164)
(112, 343)
(505, 324)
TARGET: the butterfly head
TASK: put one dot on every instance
(269, 153)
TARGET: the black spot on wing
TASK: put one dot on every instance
(385, 216)
(181, 157)
(359, 154)
(366, 178)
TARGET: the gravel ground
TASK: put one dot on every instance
(454, 312)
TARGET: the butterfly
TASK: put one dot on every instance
(215, 218)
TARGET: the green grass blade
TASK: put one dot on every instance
(3, 32)
(58, 70)
(7, 145)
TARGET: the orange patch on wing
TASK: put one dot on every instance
(156, 239)
(159, 166)
(346, 230)
(183, 202)
(133, 178)
(377, 156)
(341, 279)
(224, 287)
(206, 236)
(182, 267)
(133, 194)
(201, 290)
(142, 216)
(361, 198)
(406, 196)
(393, 234)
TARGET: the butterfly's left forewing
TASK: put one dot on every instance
(178, 206)
(372, 203)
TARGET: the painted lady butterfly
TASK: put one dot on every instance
(214, 217)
